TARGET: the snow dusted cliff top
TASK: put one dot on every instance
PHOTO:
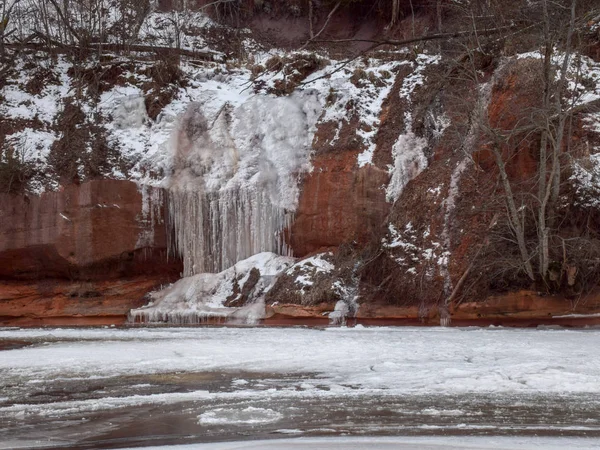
(268, 134)
(255, 130)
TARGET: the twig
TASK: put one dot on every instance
(312, 38)
(429, 37)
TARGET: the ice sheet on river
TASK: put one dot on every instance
(392, 361)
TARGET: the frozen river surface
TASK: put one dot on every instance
(112, 388)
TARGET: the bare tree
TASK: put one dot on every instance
(7, 29)
(534, 212)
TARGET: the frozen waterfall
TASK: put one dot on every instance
(233, 189)
(214, 230)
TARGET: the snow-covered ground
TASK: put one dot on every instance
(215, 383)
(406, 443)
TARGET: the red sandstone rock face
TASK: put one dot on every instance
(339, 203)
(515, 95)
(94, 230)
(84, 256)
(62, 302)
(521, 308)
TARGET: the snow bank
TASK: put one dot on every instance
(199, 298)
(401, 443)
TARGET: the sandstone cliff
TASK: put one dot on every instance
(229, 134)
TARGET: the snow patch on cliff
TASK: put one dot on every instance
(167, 29)
(18, 103)
(357, 91)
(408, 152)
(306, 270)
(147, 144)
(586, 179)
(582, 77)
(407, 249)
(409, 161)
(415, 79)
(33, 143)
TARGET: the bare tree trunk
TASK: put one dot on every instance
(412, 16)
(329, 16)
(542, 229)
(548, 80)
(310, 19)
(549, 185)
(64, 18)
(513, 215)
(5, 21)
(395, 11)
(559, 106)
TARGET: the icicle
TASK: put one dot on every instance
(177, 317)
(151, 215)
(212, 231)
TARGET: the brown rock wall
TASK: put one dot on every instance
(515, 309)
(84, 255)
(61, 302)
(97, 229)
(339, 203)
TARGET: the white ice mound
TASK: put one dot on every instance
(234, 184)
(339, 314)
(204, 297)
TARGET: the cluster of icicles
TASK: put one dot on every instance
(211, 231)
(176, 317)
